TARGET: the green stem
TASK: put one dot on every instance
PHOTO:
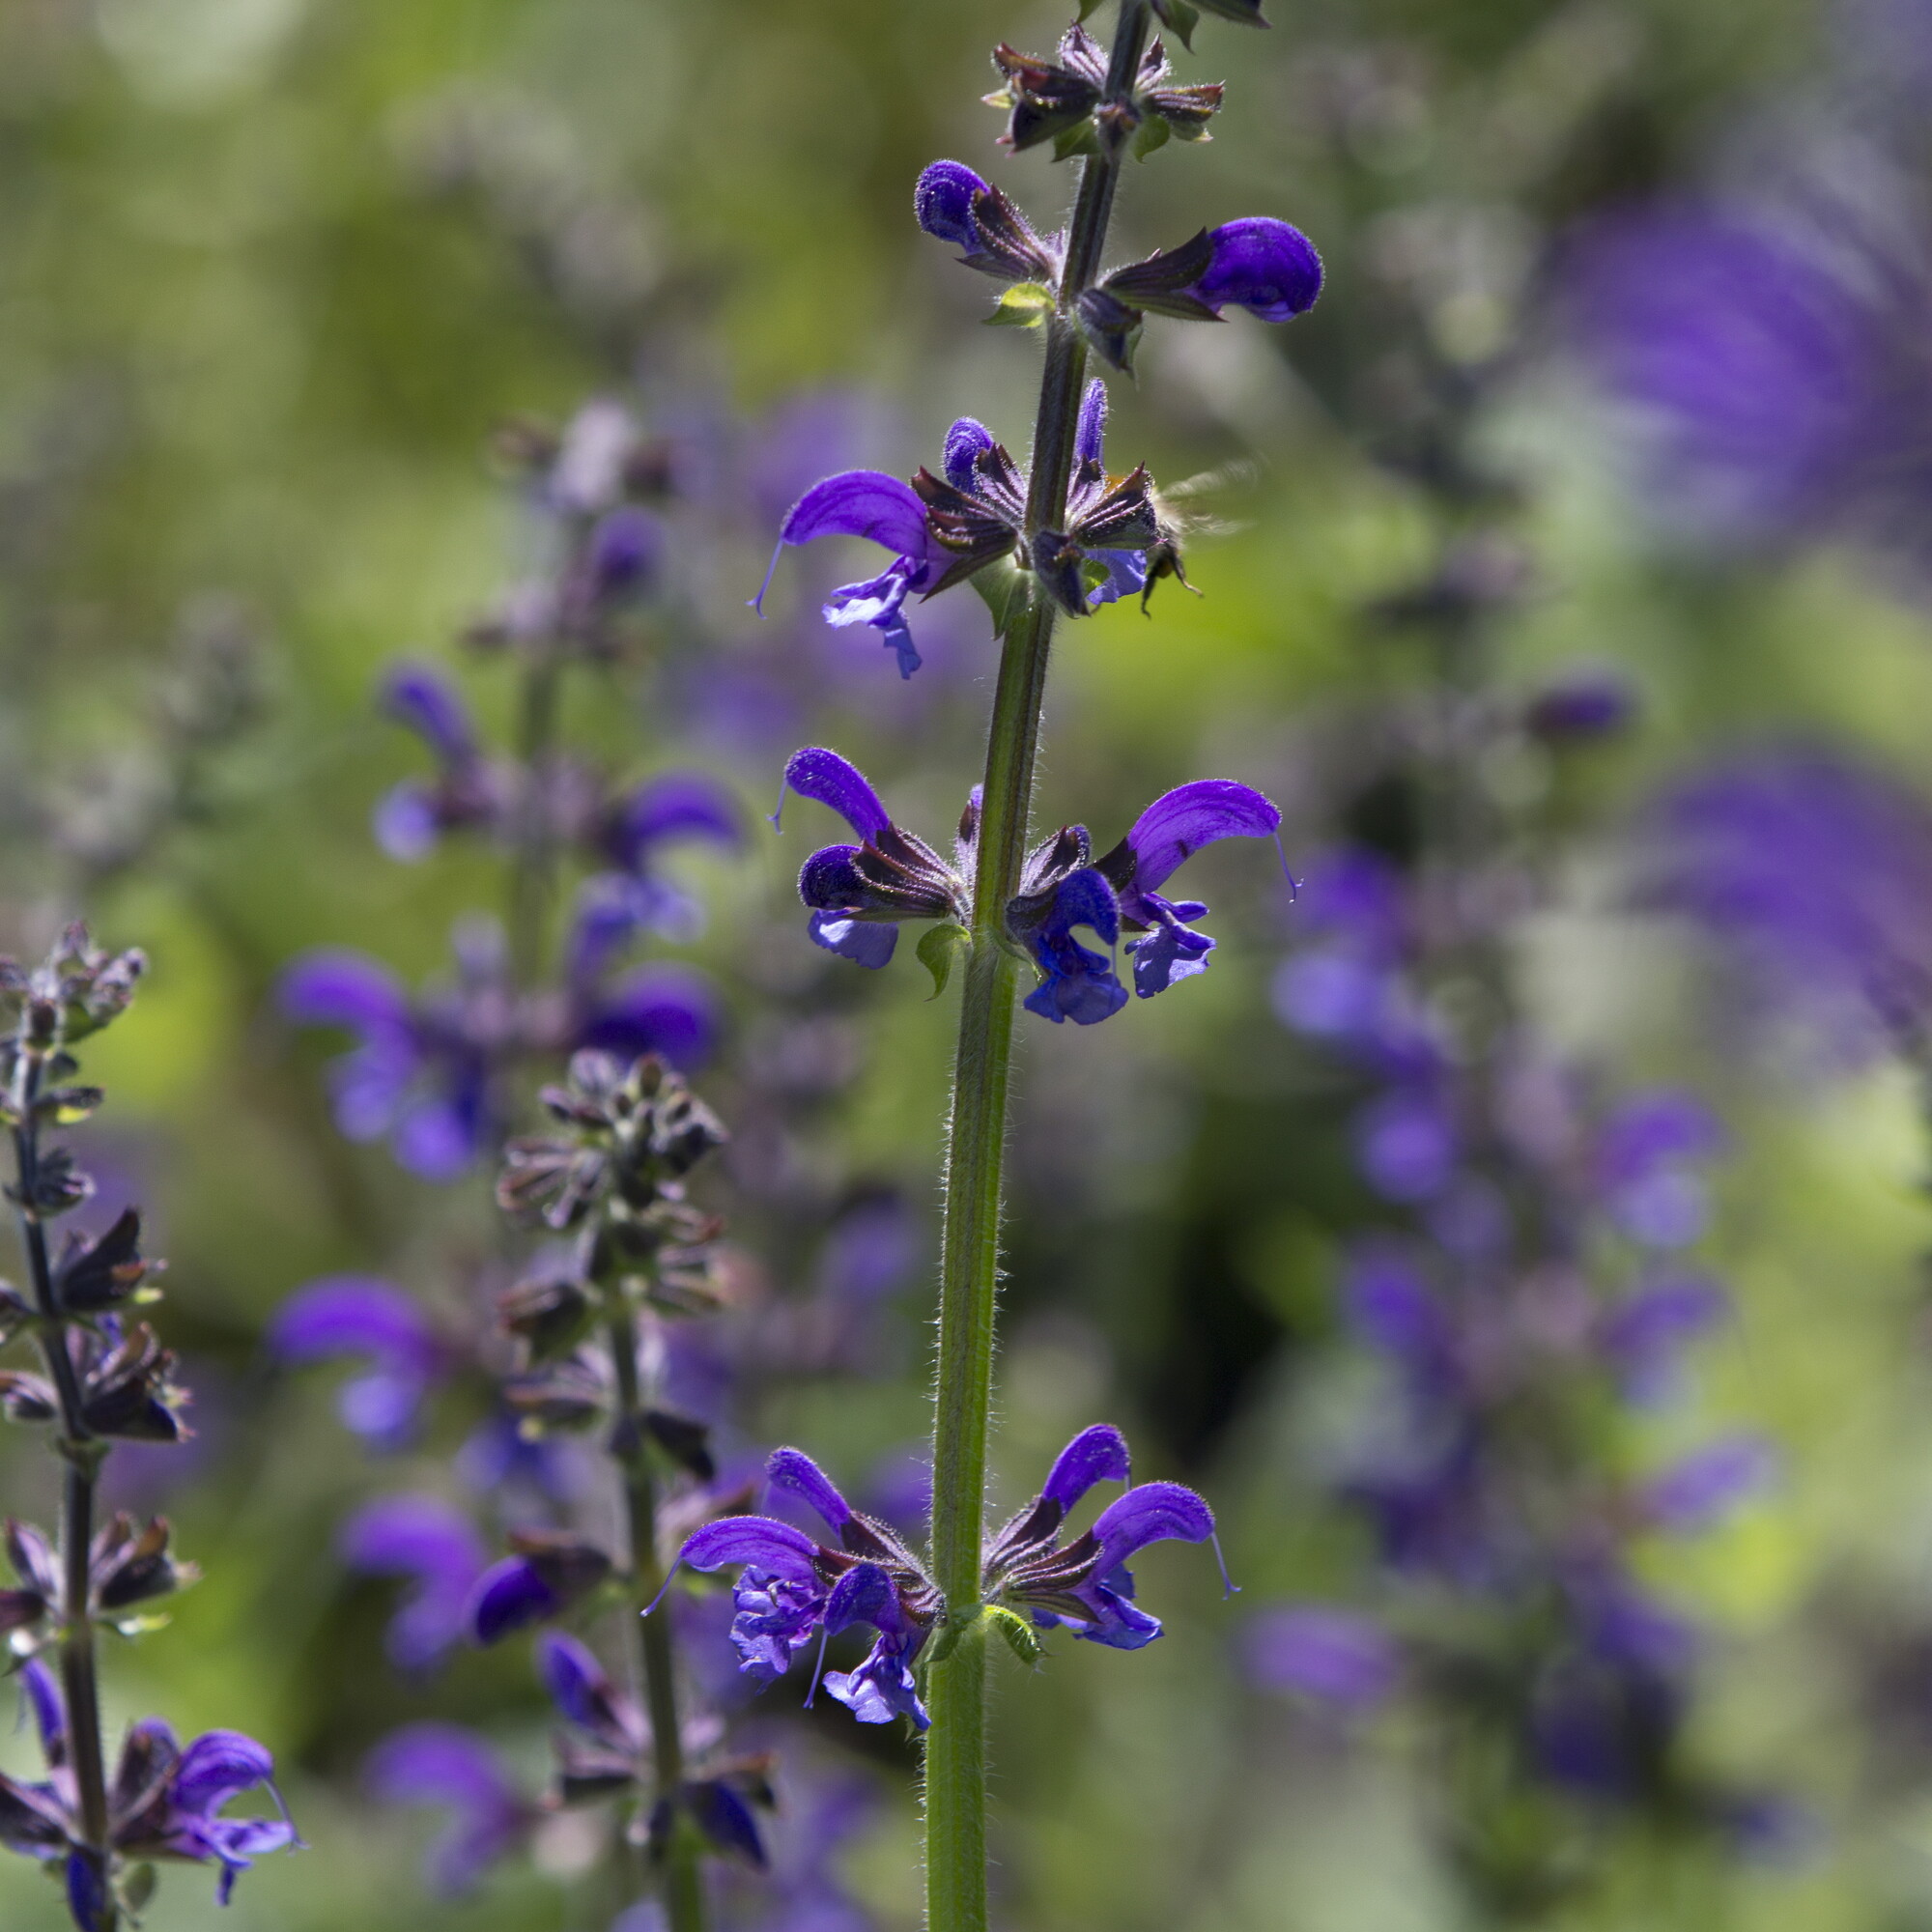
(532, 857)
(955, 1748)
(683, 1881)
(82, 1452)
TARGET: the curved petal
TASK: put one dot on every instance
(509, 1596)
(964, 441)
(673, 805)
(353, 1315)
(1079, 984)
(760, 1541)
(829, 882)
(581, 1688)
(218, 1766)
(1096, 1455)
(864, 942)
(1263, 265)
(1178, 823)
(865, 1595)
(1153, 1513)
(1090, 437)
(794, 1470)
(860, 503)
(336, 987)
(425, 699)
(943, 203)
(817, 773)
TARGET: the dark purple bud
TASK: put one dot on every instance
(1581, 708)
(550, 1573)
(943, 203)
(1263, 265)
(964, 441)
(725, 1819)
(1089, 438)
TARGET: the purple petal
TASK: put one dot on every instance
(1153, 1513)
(1089, 438)
(1181, 822)
(1698, 1492)
(1263, 265)
(580, 1687)
(864, 942)
(725, 1819)
(1325, 1654)
(1079, 984)
(1096, 1455)
(675, 805)
(1407, 1144)
(664, 1008)
(760, 1541)
(624, 550)
(964, 441)
(943, 203)
(865, 1595)
(439, 1138)
(446, 1764)
(417, 1536)
(508, 1597)
(426, 701)
(353, 1315)
(407, 823)
(794, 1470)
(335, 986)
(86, 1892)
(820, 774)
(218, 1766)
(860, 503)
(49, 1714)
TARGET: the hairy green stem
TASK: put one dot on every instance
(683, 1879)
(956, 1747)
(533, 858)
(82, 1452)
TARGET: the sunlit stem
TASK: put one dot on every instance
(956, 1747)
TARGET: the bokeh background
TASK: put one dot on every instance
(272, 274)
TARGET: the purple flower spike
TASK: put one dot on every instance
(361, 1314)
(1096, 1455)
(943, 204)
(794, 1470)
(436, 1545)
(1329, 1656)
(1263, 265)
(448, 1766)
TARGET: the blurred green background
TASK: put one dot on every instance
(271, 273)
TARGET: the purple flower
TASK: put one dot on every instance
(421, 1073)
(1815, 874)
(1773, 363)
(438, 1549)
(1406, 1143)
(944, 529)
(666, 1008)
(637, 828)
(1580, 708)
(953, 204)
(1644, 1335)
(452, 1767)
(547, 1571)
(166, 1801)
(858, 894)
(1647, 1148)
(792, 1587)
(1327, 1655)
(1263, 265)
(467, 791)
(361, 1314)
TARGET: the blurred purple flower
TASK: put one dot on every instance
(438, 1550)
(467, 791)
(455, 1769)
(1815, 874)
(1330, 1655)
(1697, 1493)
(1643, 1337)
(362, 1316)
(1648, 1148)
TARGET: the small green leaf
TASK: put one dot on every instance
(1152, 133)
(939, 949)
(1181, 18)
(1022, 1639)
(137, 1887)
(68, 1106)
(1078, 139)
(1247, 11)
(1024, 305)
(1003, 588)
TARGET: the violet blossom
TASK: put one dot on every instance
(453, 1769)
(859, 894)
(438, 1550)
(792, 1589)
(362, 1316)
